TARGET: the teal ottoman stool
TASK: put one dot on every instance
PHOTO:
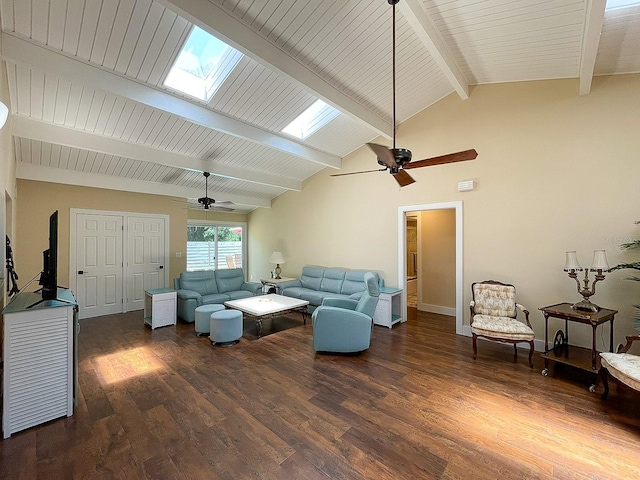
(225, 327)
(203, 316)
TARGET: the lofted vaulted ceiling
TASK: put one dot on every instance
(89, 105)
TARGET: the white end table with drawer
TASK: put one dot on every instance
(160, 307)
(389, 310)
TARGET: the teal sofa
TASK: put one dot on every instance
(317, 283)
(211, 287)
(344, 325)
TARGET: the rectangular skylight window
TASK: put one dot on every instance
(202, 65)
(311, 120)
(615, 4)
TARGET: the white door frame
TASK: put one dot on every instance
(402, 251)
(73, 214)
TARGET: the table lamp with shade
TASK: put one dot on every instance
(599, 266)
(277, 258)
(4, 113)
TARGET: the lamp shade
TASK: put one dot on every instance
(4, 113)
(571, 262)
(276, 257)
(599, 261)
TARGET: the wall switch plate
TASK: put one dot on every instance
(178, 254)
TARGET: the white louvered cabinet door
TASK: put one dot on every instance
(38, 366)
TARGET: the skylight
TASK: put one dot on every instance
(615, 4)
(311, 120)
(202, 65)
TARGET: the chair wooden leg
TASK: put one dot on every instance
(475, 345)
(604, 374)
(531, 348)
(515, 353)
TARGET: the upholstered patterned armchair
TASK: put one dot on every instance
(344, 325)
(622, 366)
(493, 316)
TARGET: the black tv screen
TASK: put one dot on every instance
(49, 276)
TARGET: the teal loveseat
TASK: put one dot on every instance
(209, 287)
(317, 283)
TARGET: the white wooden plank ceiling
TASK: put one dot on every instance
(89, 106)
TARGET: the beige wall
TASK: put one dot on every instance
(7, 177)
(438, 258)
(37, 200)
(556, 171)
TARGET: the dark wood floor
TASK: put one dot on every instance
(164, 404)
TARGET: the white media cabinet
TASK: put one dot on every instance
(39, 360)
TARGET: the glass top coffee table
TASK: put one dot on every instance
(268, 306)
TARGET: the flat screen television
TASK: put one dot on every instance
(49, 276)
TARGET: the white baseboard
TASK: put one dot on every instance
(424, 307)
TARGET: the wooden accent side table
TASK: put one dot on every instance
(579, 357)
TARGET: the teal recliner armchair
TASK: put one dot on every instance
(344, 325)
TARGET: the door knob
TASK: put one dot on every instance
(80, 272)
(161, 266)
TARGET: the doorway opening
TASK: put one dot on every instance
(412, 259)
(406, 260)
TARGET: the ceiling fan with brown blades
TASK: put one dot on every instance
(397, 160)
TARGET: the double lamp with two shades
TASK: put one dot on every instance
(599, 266)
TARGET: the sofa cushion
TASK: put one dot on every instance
(494, 300)
(354, 282)
(501, 327)
(215, 298)
(623, 366)
(293, 292)
(313, 297)
(237, 294)
(229, 280)
(202, 282)
(332, 280)
(311, 277)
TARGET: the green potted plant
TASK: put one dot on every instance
(635, 244)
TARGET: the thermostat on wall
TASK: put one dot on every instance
(466, 186)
